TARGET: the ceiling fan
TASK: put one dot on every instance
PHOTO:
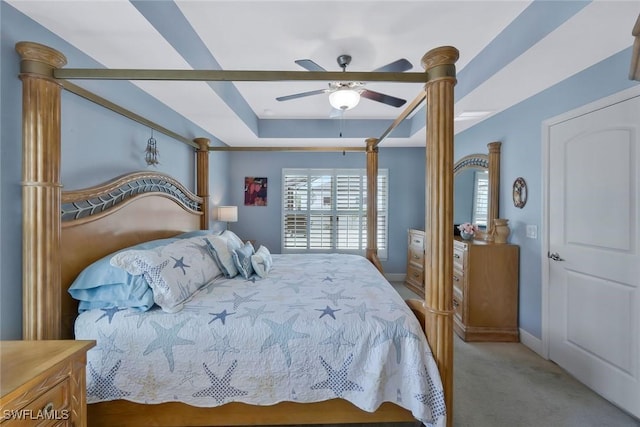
(346, 95)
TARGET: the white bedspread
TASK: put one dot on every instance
(319, 327)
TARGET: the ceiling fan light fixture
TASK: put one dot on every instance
(344, 98)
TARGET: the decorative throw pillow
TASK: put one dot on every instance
(175, 272)
(230, 235)
(221, 249)
(242, 259)
(262, 262)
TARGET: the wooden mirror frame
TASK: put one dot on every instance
(634, 70)
(491, 162)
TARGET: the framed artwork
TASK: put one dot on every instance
(519, 192)
(255, 191)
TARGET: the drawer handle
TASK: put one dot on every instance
(417, 241)
(416, 256)
(456, 278)
(416, 274)
(456, 256)
(456, 303)
(48, 408)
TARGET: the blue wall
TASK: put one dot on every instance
(97, 144)
(520, 130)
(104, 144)
(263, 223)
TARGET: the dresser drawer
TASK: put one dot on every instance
(415, 274)
(43, 374)
(414, 279)
(458, 279)
(47, 409)
(416, 239)
(459, 254)
(458, 304)
(416, 254)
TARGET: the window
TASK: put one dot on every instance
(481, 198)
(325, 210)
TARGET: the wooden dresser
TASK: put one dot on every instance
(414, 279)
(43, 383)
(485, 291)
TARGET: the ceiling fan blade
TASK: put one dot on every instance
(309, 65)
(301, 95)
(395, 67)
(381, 97)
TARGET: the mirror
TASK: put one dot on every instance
(471, 196)
(476, 188)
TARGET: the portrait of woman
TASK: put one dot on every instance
(255, 191)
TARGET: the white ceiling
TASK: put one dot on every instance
(509, 51)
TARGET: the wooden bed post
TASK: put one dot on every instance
(202, 178)
(41, 191)
(372, 203)
(494, 186)
(440, 68)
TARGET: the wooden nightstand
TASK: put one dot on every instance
(43, 383)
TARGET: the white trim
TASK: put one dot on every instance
(544, 264)
(533, 343)
(395, 277)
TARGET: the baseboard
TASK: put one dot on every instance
(395, 277)
(528, 340)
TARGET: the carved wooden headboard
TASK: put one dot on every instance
(130, 209)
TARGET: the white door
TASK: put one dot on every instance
(594, 229)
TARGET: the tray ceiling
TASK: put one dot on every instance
(509, 51)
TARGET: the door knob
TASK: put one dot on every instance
(555, 256)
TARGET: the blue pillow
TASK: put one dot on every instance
(135, 293)
(101, 285)
(242, 259)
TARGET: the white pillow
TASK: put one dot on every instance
(262, 262)
(175, 271)
(230, 235)
(221, 249)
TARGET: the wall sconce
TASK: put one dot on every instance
(151, 153)
(228, 214)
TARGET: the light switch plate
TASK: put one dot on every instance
(532, 231)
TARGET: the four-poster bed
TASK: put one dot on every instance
(49, 312)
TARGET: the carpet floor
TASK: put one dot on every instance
(507, 384)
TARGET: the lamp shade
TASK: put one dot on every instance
(228, 213)
(344, 99)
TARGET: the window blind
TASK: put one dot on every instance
(480, 198)
(325, 210)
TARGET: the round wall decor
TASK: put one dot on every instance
(519, 192)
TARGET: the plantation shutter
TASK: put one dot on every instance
(324, 210)
(480, 199)
(296, 199)
(321, 211)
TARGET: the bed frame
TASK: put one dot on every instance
(60, 230)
